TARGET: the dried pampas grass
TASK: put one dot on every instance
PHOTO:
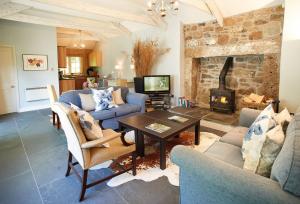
(145, 55)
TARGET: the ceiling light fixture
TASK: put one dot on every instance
(81, 43)
(162, 7)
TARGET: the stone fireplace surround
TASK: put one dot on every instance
(253, 39)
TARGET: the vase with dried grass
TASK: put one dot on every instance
(145, 55)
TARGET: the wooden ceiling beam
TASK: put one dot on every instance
(215, 11)
(8, 8)
(76, 36)
(57, 23)
(85, 9)
(208, 6)
(199, 4)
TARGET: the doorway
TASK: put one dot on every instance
(8, 81)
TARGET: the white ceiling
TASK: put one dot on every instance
(234, 7)
(104, 19)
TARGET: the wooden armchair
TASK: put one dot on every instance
(53, 99)
(90, 153)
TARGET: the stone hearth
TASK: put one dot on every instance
(253, 39)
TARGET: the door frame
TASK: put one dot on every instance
(17, 77)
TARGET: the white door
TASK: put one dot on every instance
(8, 81)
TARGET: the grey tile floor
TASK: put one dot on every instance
(33, 157)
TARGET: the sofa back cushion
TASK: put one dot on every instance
(286, 168)
(124, 92)
(73, 97)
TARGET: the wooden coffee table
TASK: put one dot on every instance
(139, 122)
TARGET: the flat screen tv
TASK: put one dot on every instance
(157, 84)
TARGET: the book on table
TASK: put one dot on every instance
(160, 128)
(178, 119)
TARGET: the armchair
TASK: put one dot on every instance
(89, 153)
(53, 99)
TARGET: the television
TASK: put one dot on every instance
(156, 84)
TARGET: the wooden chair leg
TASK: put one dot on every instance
(53, 118)
(58, 122)
(68, 167)
(134, 163)
(83, 187)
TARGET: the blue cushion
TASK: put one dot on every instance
(286, 168)
(126, 109)
(103, 115)
(73, 97)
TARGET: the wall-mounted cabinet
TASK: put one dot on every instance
(61, 55)
(95, 57)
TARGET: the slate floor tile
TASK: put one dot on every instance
(49, 165)
(37, 142)
(67, 190)
(45, 146)
(19, 189)
(159, 191)
(13, 159)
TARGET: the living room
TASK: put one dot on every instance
(159, 101)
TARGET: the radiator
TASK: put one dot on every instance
(36, 93)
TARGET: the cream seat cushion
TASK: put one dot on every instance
(116, 149)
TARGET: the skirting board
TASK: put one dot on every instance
(33, 108)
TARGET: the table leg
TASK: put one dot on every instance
(162, 155)
(197, 134)
(139, 143)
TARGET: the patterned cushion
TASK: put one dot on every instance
(103, 99)
(255, 138)
(270, 150)
(90, 126)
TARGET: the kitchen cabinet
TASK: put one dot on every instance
(95, 57)
(61, 56)
(66, 85)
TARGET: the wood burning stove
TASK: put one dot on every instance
(223, 99)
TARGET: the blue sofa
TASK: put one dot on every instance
(134, 104)
(217, 176)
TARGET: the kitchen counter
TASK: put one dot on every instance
(71, 83)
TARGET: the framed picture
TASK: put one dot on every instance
(35, 62)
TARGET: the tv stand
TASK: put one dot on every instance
(159, 101)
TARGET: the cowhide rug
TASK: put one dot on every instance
(148, 166)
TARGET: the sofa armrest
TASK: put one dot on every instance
(204, 179)
(248, 116)
(137, 99)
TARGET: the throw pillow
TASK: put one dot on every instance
(117, 97)
(255, 138)
(90, 126)
(283, 116)
(103, 99)
(87, 102)
(270, 150)
(75, 107)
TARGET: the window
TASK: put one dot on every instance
(74, 64)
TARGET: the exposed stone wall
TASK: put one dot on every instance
(254, 39)
(250, 74)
